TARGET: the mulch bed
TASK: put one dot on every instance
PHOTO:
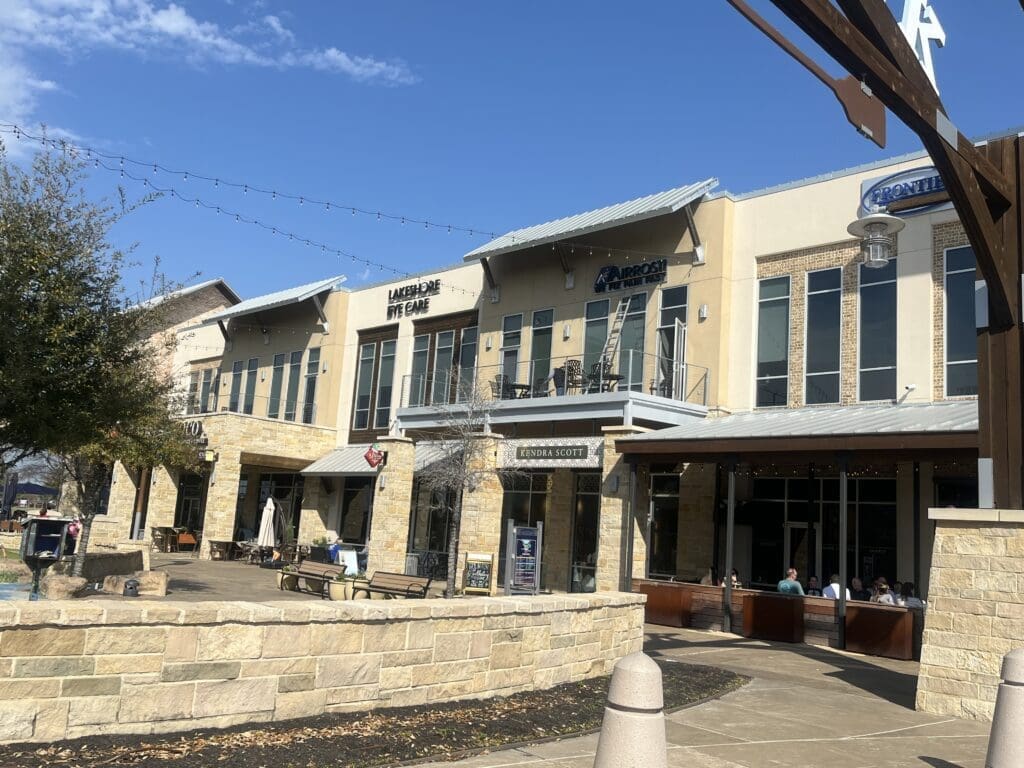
(380, 738)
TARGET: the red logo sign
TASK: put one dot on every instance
(373, 456)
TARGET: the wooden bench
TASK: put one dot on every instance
(317, 573)
(393, 585)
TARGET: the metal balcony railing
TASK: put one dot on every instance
(515, 379)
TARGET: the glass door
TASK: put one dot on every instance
(585, 526)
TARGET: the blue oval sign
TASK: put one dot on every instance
(905, 185)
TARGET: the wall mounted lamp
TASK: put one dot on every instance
(702, 312)
(566, 332)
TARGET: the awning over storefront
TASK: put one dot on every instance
(878, 428)
(348, 460)
(640, 209)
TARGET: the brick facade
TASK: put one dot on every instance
(946, 235)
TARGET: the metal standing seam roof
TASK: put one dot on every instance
(349, 460)
(218, 282)
(278, 299)
(648, 207)
(887, 419)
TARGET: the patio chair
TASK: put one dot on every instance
(540, 387)
(573, 375)
(502, 387)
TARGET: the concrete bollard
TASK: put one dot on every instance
(1006, 739)
(633, 729)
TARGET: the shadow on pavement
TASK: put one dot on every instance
(871, 676)
(936, 762)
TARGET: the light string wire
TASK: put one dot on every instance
(120, 160)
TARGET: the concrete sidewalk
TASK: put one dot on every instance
(805, 707)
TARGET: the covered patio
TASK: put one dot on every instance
(798, 488)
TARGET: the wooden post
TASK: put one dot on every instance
(730, 528)
(843, 546)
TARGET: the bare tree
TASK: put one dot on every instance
(463, 465)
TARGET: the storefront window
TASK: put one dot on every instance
(236, 385)
(292, 396)
(191, 503)
(356, 502)
(250, 383)
(385, 384)
(286, 488)
(429, 532)
(312, 371)
(773, 342)
(878, 332)
(631, 343)
(824, 310)
(595, 333)
(540, 344)
(276, 381)
(961, 333)
(663, 536)
(672, 343)
(585, 527)
(511, 336)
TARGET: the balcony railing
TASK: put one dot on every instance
(515, 379)
(281, 408)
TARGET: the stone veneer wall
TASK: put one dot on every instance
(71, 669)
(975, 609)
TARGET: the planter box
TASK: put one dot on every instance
(289, 581)
(769, 616)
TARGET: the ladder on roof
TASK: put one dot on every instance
(611, 344)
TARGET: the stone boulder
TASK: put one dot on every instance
(151, 583)
(56, 586)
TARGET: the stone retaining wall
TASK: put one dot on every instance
(74, 668)
(975, 609)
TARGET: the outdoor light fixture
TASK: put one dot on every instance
(565, 332)
(877, 232)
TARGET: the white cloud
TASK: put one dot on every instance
(158, 28)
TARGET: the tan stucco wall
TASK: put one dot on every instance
(368, 308)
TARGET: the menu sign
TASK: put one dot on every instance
(479, 568)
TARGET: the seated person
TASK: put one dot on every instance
(789, 585)
(832, 590)
(882, 595)
(734, 578)
(857, 591)
(813, 590)
(906, 597)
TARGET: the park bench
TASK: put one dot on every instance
(393, 585)
(318, 573)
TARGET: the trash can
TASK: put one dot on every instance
(131, 588)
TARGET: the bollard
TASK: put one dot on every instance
(1006, 739)
(131, 588)
(633, 729)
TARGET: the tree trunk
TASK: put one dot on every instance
(453, 546)
(90, 483)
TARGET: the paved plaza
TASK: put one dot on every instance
(805, 707)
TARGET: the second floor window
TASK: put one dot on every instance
(385, 384)
(595, 332)
(291, 399)
(444, 359)
(364, 386)
(511, 337)
(877, 379)
(375, 380)
(250, 383)
(237, 368)
(209, 390)
(276, 382)
(961, 333)
(773, 342)
(309, 400)
(822, 324)
(540, 344)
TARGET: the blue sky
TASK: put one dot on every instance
(482, 115)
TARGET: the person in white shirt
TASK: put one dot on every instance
(832, 590)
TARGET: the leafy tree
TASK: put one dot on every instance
(80, 362)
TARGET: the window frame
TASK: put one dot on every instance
(789, 335)
(807, 311)
(551, 347)
(946, 362)
(860, 330)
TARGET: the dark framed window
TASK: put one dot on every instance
(237, 368)
(595, 332)
(823, 329)
(420, 364)
(672, 342)
(309, 398)
(877, 333)
(364, 386)
(375, 381)
(773, 342)
(960, 325)
(291, 399)
(511, 338)
(385, 384)
(209, 390)
(276, 382)
(540, 344)
(192, 403)
(250, 384)
(444, 360)
(631, 342)
(467, 361)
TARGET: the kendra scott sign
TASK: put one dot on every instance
(552, 453)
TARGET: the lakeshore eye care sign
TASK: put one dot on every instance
(617, 278)
(412, 299)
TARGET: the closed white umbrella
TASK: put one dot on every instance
(267, 538)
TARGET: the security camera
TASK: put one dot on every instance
(910, 387)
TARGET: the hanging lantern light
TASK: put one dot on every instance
(877, 232)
